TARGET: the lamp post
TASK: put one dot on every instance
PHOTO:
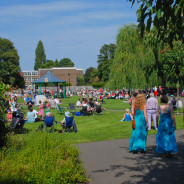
(69, 80)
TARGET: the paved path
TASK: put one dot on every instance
(109, 162)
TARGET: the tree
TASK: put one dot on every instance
(3, 106)
(105, 59)
(48, 64)
(173, 63)
(80, 81)
(133, 61)
(9, 64)
(56, 63)
(87, 75)
(165, 15)
(66, 62)
(40, 56)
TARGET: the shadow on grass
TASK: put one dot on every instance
(150, 167)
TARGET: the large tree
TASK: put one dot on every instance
(66, 62)
(105, 59)
(167, 16)
(9, 64)
(40, 58)
(133, 61)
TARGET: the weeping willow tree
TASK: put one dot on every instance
(133, 61)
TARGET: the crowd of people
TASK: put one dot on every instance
(144, 108)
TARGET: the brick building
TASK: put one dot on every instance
(29, 76)
(68, 74)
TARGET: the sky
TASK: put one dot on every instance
(75, 29)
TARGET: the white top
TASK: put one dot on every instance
(35, 113)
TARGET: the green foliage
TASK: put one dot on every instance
(166, 16)
(173, 63)
(88, 75)
(105, 59)
(80, 81)
(98, 84)
(41, 159)
(66, 62)
(40, 58)
(48, 64)
(56, 64)
(133, 61)
(3, 106)
(9, 64)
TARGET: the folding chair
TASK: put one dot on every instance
(49, 123)
(72, 108)
(60, 109)
(69, 125)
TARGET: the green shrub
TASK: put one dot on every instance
(41, 160)
(98, 84)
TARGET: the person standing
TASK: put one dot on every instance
(165, 138)
(152, 105)
(139, 134)
(155, 91)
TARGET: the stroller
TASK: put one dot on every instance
(17, 120)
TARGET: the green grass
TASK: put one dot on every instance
(40, 157)
(92, 128)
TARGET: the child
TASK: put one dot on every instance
(9, 116)
(41, 111)
(47, 108)
(127, 116)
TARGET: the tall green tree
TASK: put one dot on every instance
(132, 62)
(66, 62)
(105, 59)
(9, 64)
(87, 75)
(40, 58)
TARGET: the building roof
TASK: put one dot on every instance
(51, 79)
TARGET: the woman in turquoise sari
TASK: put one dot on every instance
(165, 138)
(139, 134)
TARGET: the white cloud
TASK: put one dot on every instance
(74, 29)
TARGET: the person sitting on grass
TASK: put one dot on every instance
(31, 116)
(127, 116)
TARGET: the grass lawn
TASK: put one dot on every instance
(92, 128)
(39, 157)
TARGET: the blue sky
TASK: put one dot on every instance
(74, 29)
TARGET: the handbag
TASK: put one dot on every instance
(133, 123)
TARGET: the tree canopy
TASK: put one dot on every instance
(105, 59)
(88, 75)
(133, 61)
(40, 58)
(66, 62)
(167, 16)
(9, 64)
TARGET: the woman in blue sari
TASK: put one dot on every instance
(165, 138)
(139, 134)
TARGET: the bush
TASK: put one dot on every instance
(98, 84)
(41, 160)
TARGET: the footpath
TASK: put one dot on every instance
(109, 162)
